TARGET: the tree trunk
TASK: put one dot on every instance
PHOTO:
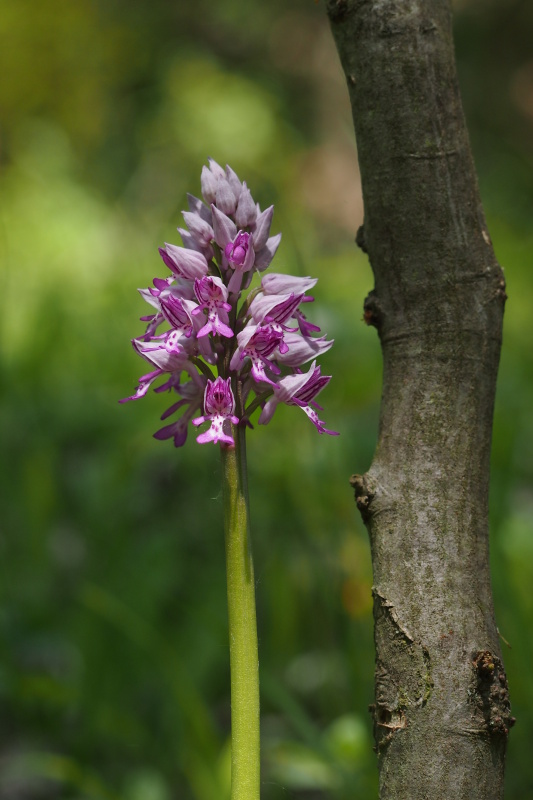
(442, 708)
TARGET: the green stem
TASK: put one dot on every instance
(242, 624)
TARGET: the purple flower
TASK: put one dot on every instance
(275, 283)
(246, 210)
(165, 357)
(224, 228)
(240, 251)
(275, 308)
(212, 296)
(168, 355)
(203, 211)
(145, 381)
(225, 198)
(191, 243)
(261, 227)
(300, 349)
(267, 253)
(306, 327)
(209, 180)
(182, 262)
(240, 256)
(257, 343)
(234, 182)
(219, 405)
(199, 228)
(299, 389)
(192, 393)
(177, 312)
(214, 333)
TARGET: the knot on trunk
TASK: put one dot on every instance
(372, 310)
(363, 495)
(500, 291)
(492, 693)
(360, 239)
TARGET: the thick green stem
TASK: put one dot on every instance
(242, 624)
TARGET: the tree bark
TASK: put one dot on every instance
(441, 713)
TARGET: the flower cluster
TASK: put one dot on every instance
(228, 352)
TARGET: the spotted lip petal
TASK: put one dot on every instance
(319, 425)
(212, 296)
(219, 405)
(258, 343)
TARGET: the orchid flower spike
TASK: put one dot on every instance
(227, 352)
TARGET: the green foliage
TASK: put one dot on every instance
(114, 678)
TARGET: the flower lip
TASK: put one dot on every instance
(212, 296)
(219, 405)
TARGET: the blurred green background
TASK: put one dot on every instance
(114, 679)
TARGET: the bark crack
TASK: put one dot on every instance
(403, 679)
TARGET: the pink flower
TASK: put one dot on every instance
(240, 256)
(214, 333)
(299, 390)
(219, 405)
(212, 296)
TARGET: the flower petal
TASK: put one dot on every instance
(183, 262)
(224, 228)
(267, 253)
(246, 210)
(262, 228)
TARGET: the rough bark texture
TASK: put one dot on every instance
(442, 709)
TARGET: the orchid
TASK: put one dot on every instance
(231, 347)
(299, 390)
(255, 340)
(220, 405)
